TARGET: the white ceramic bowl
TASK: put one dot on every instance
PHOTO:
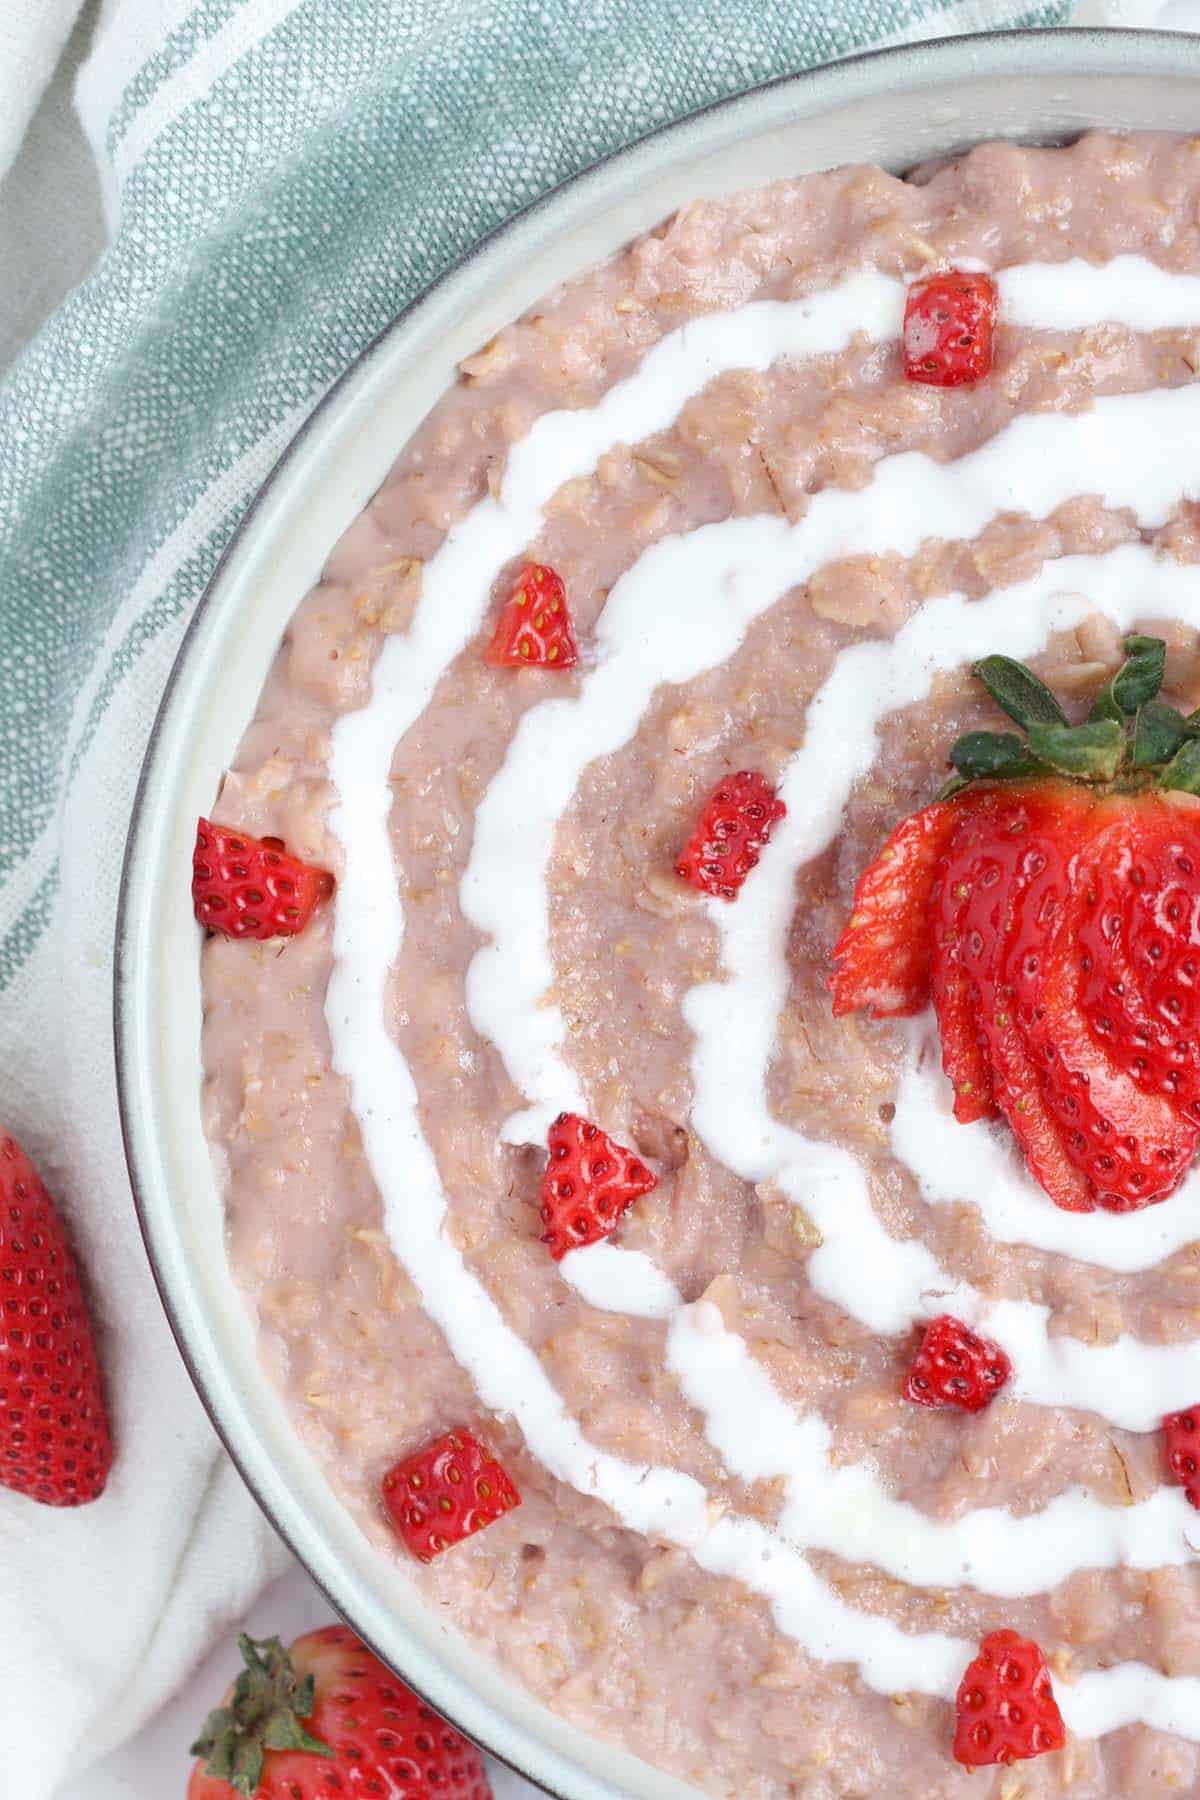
(896, 107)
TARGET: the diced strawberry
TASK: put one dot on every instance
(956, 1367)
(1181, 1436)
(590, 1181)
(534, 627)
(327, 1719)
(881, 960)
(446, 1492)
(948, 325)
(247, 887)
(1006, 1710)
(733, 828)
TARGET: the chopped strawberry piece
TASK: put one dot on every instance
(956, 1367)
(590, 1181)
(446, 1492)
(247, 887)
(1181, 1434)
(733, 828)
(1005, 1704)
(54, 1436)
(534, 627)
(881, 960)
(948, 325)
(1132, 1146)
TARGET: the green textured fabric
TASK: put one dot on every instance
(277, 207)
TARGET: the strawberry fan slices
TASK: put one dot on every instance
(1046, 906)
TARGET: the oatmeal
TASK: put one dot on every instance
(740, 1550)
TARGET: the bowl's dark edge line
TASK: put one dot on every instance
(948, 50)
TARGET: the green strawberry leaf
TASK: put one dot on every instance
(1141, 675)
(1090, 752)
(1182, 773)
(1106, 706)
(1018, 690)
(264, 1712)
(1159, 733)
(992, 756)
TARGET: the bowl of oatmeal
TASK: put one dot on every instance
(687, 1377)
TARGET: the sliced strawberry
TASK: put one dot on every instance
(247, 887)
(326, 1719)
(956, 1367)
(1005, 1704)
(534, 627)
(590, 1181)
(1131, 1146)
(1139, 945)
(1016, 875)
(964, 1053)
(948, 325)
(881, 960)
(54, 1437)
(733, 828)
(446, 1492)
(1181, 1437)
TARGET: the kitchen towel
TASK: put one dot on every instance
(280, 178)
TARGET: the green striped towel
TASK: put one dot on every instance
(281, 177)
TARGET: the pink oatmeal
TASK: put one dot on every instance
(623, 1630)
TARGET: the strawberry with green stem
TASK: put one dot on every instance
(326, 1717)
(1048, 903)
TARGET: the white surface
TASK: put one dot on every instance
(154, 1766)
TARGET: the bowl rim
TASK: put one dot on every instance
(1070, 51)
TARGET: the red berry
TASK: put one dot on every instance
(353, 1728)
(534, 627)
(965, 1058)
(590, 1181)
(54, 1437)
(1005, 1704)
(1139, 966)
(956, 1367)
(1131, 1144)
(1181, 1434)
(446, 1492)
(733, 828)
(948, 324)
(881, 960)
(247, 887)
(1012, 870)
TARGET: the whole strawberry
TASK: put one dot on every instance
(327, 1717)
(1046, 904)
(54, 1437)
